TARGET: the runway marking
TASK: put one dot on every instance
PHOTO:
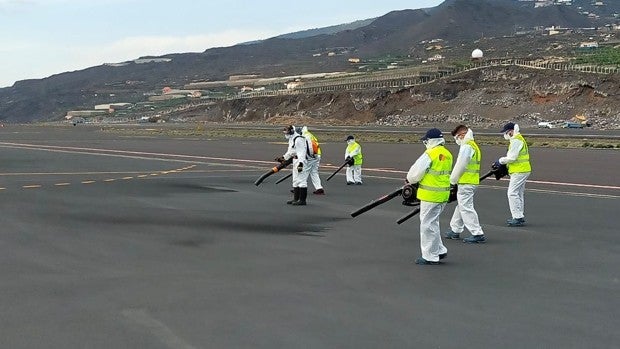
(549, 191)
(178, 157)
(581, 185)
(156, 328)
(89, 181)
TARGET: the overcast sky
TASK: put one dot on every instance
(40, 38)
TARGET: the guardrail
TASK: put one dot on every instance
(410, 77)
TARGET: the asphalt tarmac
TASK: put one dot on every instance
(118, 242)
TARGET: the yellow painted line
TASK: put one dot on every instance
(142, 176)
(88, 182)
(109, 180)
(31, 186)
(62, 184)
(127, 178)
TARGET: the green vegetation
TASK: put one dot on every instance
(601, 56)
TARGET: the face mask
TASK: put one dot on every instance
(287, 136)
(458, 141)
(506, 136)
(350, 141)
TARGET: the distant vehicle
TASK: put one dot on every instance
(77, 121)
(545, 124)
(570, 124)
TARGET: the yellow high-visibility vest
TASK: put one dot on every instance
(357, 159)
(522, 164)
(435, 185)
(472, 171)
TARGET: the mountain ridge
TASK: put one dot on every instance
(395, 33)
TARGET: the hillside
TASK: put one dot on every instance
(461, 24)
(484, 97)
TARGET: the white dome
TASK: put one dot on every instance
(477, 53)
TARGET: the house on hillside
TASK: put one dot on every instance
(435, 58)
(588, 45)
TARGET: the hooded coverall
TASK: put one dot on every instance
(433, 166)
(517, 160)
(466, 173)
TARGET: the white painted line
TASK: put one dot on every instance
(62, 184)
(156, 328)
(88, 182)
(31, 186)
(114, 152)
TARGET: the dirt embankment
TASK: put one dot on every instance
(484, 97)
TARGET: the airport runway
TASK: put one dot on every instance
(120, 242)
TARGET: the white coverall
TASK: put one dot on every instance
(430, 233)
(354, 172)
(313, 163)
(465, 216)
(516, 186)
(298, 150)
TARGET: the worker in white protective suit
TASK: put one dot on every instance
(299, 150)
(466, 174)
(431, 172)
(517, 160)
(314, 162)
(353, 155)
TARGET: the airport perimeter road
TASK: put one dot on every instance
(115, 242)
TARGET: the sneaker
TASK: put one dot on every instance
(319, 192)
(516, 222)
(475, 239)
(422, 261)
(358, 183)
(452, 235)
(443, 255)
(350, 183)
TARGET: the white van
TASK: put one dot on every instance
(545, 124)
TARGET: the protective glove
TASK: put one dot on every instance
(280, 159)
(300, 167)
(496, 165)
(349, 160)
(454, 188)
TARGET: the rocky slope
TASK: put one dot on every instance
(489, 96)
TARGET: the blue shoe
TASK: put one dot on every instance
(452, 235)
(422, 261)
(516, 222)
(475, 239)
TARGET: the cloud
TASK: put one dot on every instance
(137, 46)
(76, 57)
